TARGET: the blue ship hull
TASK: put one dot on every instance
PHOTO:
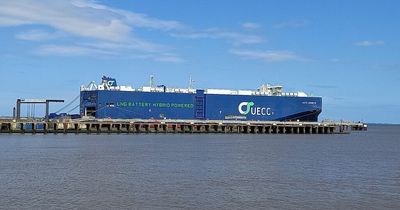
(165, 105)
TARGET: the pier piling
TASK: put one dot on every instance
(176, 126)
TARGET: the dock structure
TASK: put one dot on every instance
(100, 126)
(34, 101)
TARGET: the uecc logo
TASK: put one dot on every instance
(250, 108)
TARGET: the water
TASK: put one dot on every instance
(201, 171)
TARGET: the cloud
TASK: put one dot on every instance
(67, 17)
(214, 33)
(88, 28)
(68, 50)
(367, 43)
(108, 30)
(81, 18)
(269, 56)
(251, 26)
(7, 21)
(103, 51)
(134, 44)
(292, 24)
(37, 35)
(166, 57)
(136, 19)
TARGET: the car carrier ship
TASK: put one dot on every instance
(267, 103)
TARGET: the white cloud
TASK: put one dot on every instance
(251, 26)
(213, 33)
(65, 16)
(367, 43)
(7, 21)
(269, 56)
(37, 35)
(81, 18)
(68, 50)
(134, 44)
(292, 24)
(108, 30)
(167, 57)
(104, 50)
(88, 28)
(136, 19)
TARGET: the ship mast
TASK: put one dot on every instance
(151, 80)
(191, 81)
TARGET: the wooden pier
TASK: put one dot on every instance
(174, 126)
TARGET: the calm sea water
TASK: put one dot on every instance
(204, 171)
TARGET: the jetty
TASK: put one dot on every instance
(134, 126)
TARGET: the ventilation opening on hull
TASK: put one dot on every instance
(91, 111)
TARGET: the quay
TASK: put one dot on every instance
(131, 126)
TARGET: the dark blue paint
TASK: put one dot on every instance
(124, 104)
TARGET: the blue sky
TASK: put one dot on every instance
(346, 51)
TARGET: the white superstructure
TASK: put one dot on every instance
(263, 90)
